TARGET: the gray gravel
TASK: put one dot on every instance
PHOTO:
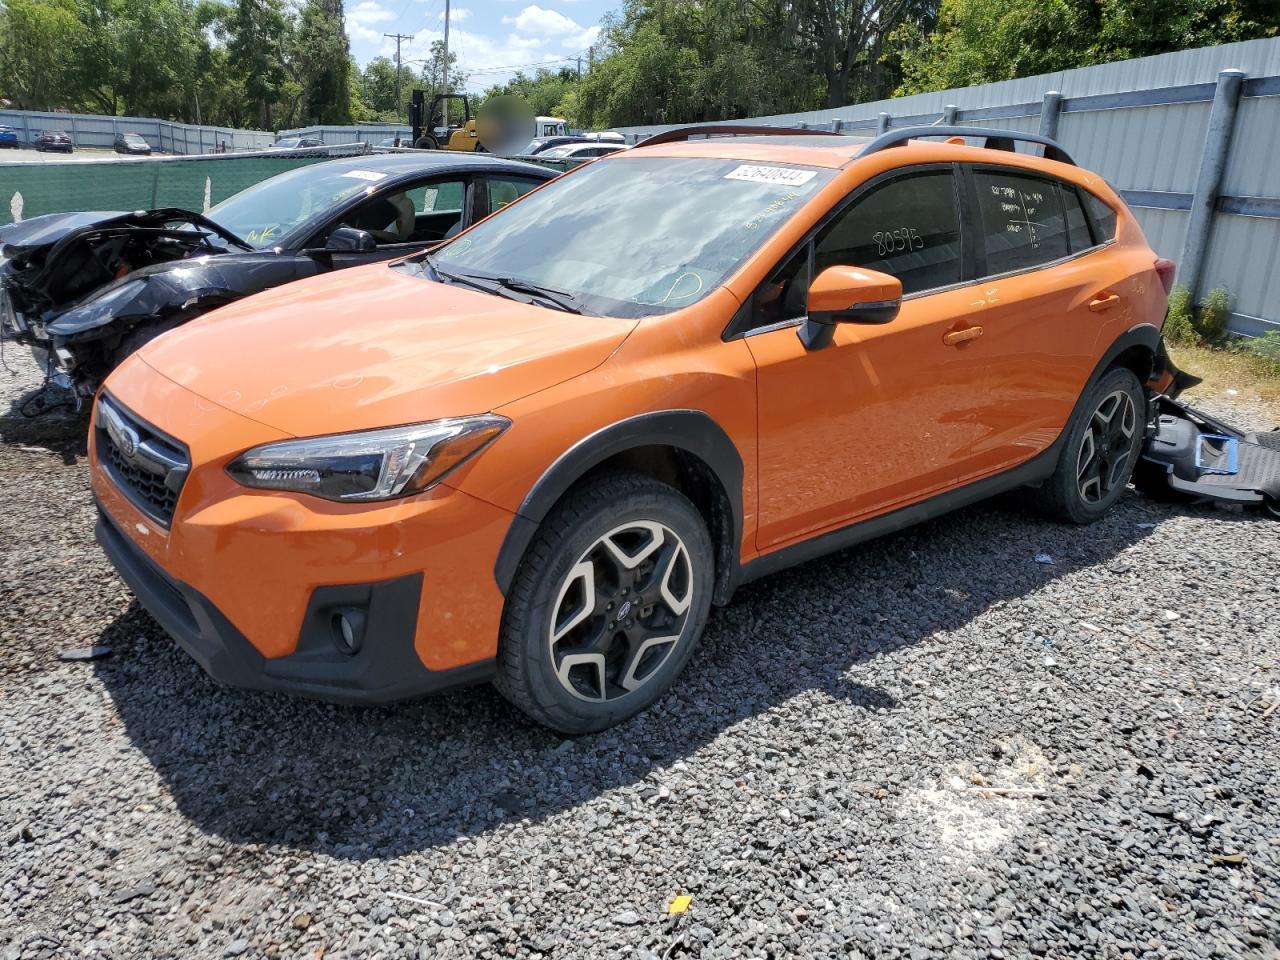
(935, 745)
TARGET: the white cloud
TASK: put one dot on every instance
(459, 13)
(538, 21)
(364, 17)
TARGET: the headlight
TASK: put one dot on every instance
(96, 312)
(373, 465)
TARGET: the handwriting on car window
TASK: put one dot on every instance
(773, 207)
(1019, 208)
(259, 238)
(897, 240)
(684, 287)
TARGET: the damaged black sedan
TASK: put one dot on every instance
(84, 290)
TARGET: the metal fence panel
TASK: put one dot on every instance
(99, 132)
(1252, 169)
(1243, 256)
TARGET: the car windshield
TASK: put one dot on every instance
(134, 139)
(264, 213)
(636, 236)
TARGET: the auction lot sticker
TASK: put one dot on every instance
(372, 176)
(782, 176)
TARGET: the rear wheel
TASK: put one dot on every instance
(1103, 444)
(607, 605)
(426, 142)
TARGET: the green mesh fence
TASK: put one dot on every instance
(30, 189)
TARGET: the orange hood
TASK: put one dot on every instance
(373, 347)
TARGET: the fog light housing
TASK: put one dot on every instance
(348, 626)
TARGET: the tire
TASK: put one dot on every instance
(585, 637)
(426, 142)
(1103, 444)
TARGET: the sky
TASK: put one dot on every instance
(491, 37)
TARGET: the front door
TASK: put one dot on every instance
(887, 414)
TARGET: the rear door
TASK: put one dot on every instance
(1041, 301)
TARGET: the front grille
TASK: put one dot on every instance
(149, 467)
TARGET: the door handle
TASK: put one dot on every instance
(953, 337)
(1104, 302)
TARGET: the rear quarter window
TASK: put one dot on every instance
(1103, 217)
(1079, 233)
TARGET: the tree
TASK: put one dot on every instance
(258, 32)
(981, 41)
(378, 87)
(40, 42)
(432, 74)
(321, 63)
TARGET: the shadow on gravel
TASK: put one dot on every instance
(60, 428)
(362, 783)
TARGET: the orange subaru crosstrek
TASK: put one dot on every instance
(539, 454)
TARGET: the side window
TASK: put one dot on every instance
(444, 197)
(784, 295)
(1021, 219)
(908, 228)
(1078, 234)
(503, 190)
(1104, 218)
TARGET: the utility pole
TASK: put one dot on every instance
(444, 104)
(397, 37)
(579, 69)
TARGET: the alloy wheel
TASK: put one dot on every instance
(1103, 461)
(620, 611)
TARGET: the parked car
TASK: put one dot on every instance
(8, 137)
(540, 452)
(540, 144)
(298, 143)
(84, 290)
(56, 140)
(580, 151)
(132, 143)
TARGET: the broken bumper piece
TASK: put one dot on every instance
(1196, 456)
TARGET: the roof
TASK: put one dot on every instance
(832, 151)
(421, 161)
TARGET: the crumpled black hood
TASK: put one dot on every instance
(46, 230)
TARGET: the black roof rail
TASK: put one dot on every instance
(736, 129)
(994, 139)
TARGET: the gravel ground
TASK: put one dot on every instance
(935, 745)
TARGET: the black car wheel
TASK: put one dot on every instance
(1103, 443)
(607, 604)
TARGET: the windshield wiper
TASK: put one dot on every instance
(561, 298)
(505, 286)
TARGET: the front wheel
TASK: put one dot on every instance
(1103, 443)
(607, 605)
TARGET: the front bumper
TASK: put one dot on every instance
(257, 571)
(385, 668)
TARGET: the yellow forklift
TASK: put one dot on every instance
(442, 132)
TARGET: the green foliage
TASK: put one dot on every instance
(981, 41)
(1213, 315)
(1266, 351)
(1179, 325)
(1201, 324)
(321, 63)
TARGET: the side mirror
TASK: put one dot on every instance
(350, 240)
(842, 294)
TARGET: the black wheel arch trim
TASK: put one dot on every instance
(693, 431)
